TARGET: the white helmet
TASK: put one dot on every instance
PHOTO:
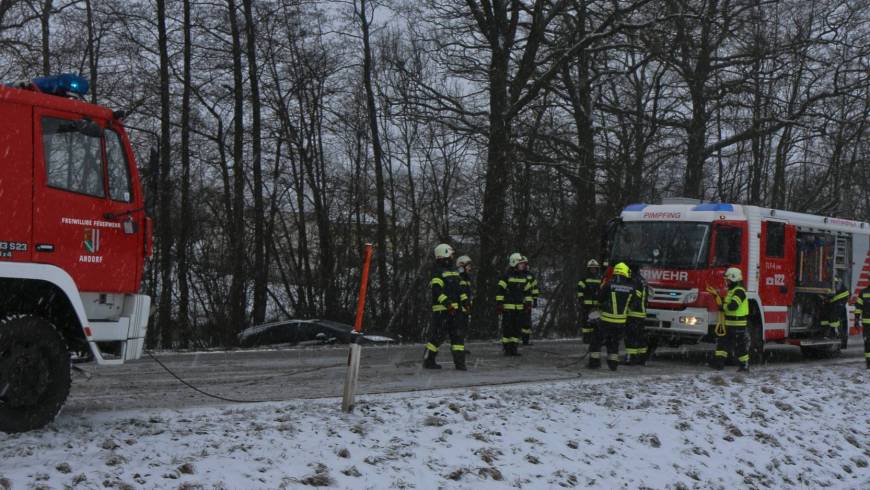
(463, 261)
(592, 263)
(733, 274)
(443, 251)
(516, 259)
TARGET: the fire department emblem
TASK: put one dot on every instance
(92, 240)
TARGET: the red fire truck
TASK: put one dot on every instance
(791, 263)
(73, 240)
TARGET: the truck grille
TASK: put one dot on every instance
(670, 296)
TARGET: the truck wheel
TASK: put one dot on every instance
(34, 373)
(824, 352)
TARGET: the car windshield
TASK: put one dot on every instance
(680, 244)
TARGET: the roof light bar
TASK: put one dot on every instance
(62, 85)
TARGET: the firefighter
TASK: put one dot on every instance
(864, 297)
(838, 317)
(635, 331)
(513, 302)
(736, 309)
(587, 298)
(613, 301)
(463, 266)
(448, 318)
(527, 320)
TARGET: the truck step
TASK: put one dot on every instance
(819, 342)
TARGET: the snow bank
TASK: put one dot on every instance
(802, 428)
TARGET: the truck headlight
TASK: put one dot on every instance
(689, 320)
(690, 297)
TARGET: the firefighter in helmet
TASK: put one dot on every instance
(587, 298)
(527, 320)
(635, 331)
(736, 309)
(513, 302)
(864, 320)
(613, 299)
(448, 317)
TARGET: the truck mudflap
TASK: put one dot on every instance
(126, 335)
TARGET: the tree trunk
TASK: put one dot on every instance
(186, 221)
(380, 193)
(237, 299)
(45, 27)
(492, 246)
(260, 266)
(164, 316)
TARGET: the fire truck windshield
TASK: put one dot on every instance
(677, 244)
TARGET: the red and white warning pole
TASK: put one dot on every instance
(353, 357)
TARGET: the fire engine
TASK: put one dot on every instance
(791, 264)
(73, 241)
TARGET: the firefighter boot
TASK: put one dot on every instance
(526, 339)
(429, 360)
(744, 367)
(515, 349)
(594, 362)
(459, 360)
(868, 363)
(717, 363)
(612, 362)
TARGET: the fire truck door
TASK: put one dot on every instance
(71, 202)
(777, 277)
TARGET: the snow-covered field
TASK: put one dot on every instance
(806, 427)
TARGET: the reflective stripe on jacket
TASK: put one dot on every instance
(514, 290)
(613, 299)
(736, 307)
(446, 290)
(587, 290)
(859, 306)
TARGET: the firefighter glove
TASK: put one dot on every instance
(451, 310)
(528, 307)
(499, 309)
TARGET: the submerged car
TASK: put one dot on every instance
(306, 331)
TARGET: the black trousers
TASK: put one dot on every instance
(511, 326)
(866, 329)
(635, 337)
(736, 342)
(587, 327)
(608, 335)
(443, 326)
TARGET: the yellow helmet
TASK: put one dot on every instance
(592, 263)
(443, 251)
(621, 269)
(733, 274)
(515, 259)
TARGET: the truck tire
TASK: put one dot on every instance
(34, 373)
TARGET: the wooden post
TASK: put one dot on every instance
(355, 353)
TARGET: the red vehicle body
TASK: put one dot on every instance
(791, 263)
(73, 241)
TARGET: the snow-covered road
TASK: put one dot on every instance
(294, 373)
(804, 426)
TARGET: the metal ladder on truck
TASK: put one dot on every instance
(840, 267)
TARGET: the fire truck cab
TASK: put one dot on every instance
(73, 240)
(791, 264)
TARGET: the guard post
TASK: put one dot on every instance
(353, 357)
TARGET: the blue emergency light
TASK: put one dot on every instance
(62, 85)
